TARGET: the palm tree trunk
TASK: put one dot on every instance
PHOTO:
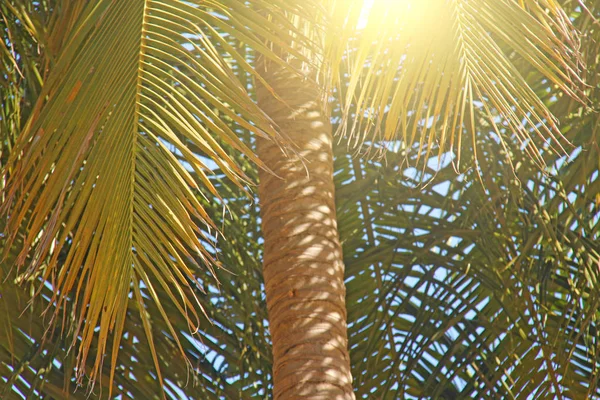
(303, 266)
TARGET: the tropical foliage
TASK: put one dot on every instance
(477, 284)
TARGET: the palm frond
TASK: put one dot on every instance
(135, 85)
(465, 294)
(230, 357)
(433, 65)
(468, 292)
(21, 66)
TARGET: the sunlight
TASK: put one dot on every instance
(412, 17)
(364, 14)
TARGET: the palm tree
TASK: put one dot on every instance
(411, 71)
(303, 266)
(181, 137)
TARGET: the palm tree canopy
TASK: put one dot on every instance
(105, 175)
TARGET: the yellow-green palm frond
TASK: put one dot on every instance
(20, 69)
(431, 64)
(112, 215)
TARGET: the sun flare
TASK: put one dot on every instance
(406, 17)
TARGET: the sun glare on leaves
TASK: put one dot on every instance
(406, 17)
(422, 71)
(410, 43)
(364, 14)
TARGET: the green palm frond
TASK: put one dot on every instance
(134, 87)
(230, 358)
(465, 294)
(21, 66)
(433, 65)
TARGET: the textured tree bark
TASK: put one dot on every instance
(303, 265)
